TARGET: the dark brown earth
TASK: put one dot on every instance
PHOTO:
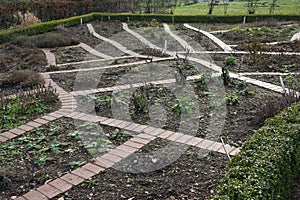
(194, 175)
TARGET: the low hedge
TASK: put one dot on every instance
(268, 162)
(8, 34)
(193, 18)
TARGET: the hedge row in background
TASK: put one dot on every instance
(268, 163)
(8, 34)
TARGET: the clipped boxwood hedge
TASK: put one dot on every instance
(193, 18)
(8, 34)
(268, 163)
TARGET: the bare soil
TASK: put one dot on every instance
(192, 176)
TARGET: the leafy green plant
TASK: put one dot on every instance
(89, 183)
(101, 145)
(105, 100)
(230, 61)
(76, 164)
(183, 106)
(75, 134)
(55, 145)
(246, 92)
(43, 177)
(231, 100)
(117, 134)
(42, 160)
(204, 78)
(140, 102)
(225, 76)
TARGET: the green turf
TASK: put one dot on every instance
(239, 8)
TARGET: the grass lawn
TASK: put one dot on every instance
(239, 8)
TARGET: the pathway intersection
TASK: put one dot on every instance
(144, 134)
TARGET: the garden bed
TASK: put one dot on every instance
(259, 63)
(76, 54)
(110, 77)
(18, 110)
(245, 109)
(289, 46)
(261, 34)
(201, 176)
(233, 26)
(203, 41)
(52, 150)
(13, 58)
(290, 81)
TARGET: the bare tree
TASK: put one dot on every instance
(252, 6)
(211, 5)
(273, 5)
(225, 4)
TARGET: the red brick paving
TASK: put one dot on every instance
(34, 195)
(140, 140)
(17, 131)
(205, 144)
(119, 153)
(126, 148)
(103, 162)
(165, 134)
(93, 168)
(194, 141)
(174, 136)
(49, 118)
(9, 135)
(41, 121)
(61, 185)
(33, 124)
(25, 127)
(72, 179)
(133, 144)
(184, 138)
(3, 139)
(115, 155)
(49, 191)
(83, 173)
(111, 157)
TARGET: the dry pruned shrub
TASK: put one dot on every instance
(25, 78)
(27, 18)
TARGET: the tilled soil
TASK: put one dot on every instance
(194, 175)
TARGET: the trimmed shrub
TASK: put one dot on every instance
(51, 40)
(268, 163)
(25, 78)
